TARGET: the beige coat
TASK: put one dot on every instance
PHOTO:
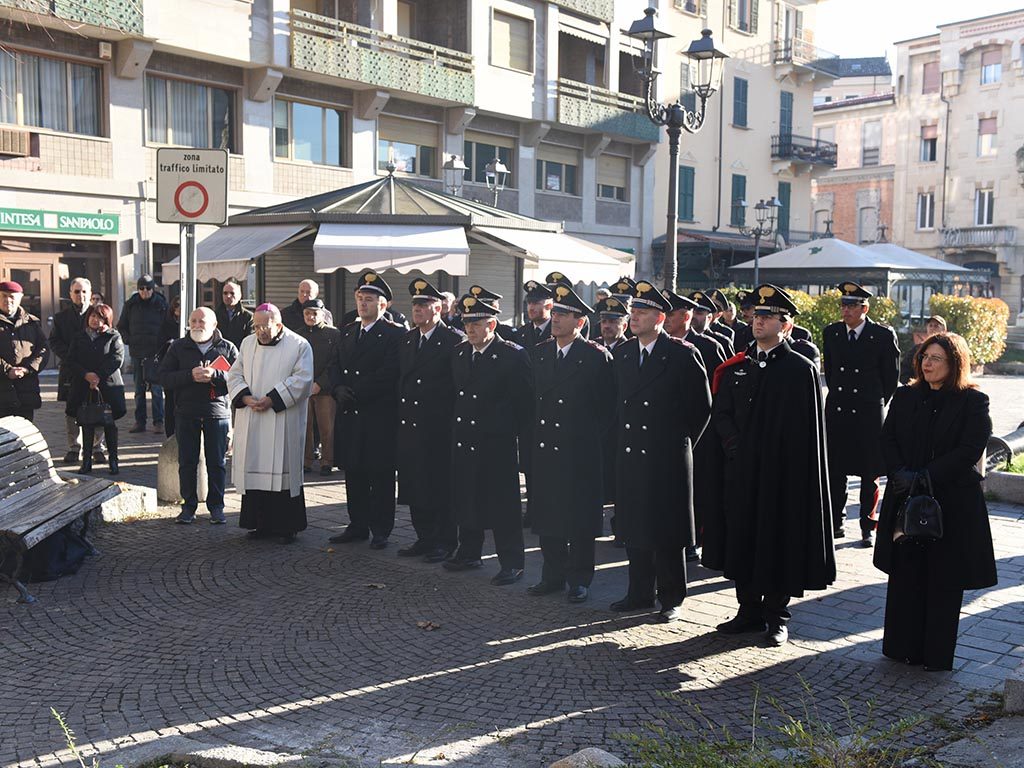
(269, 445)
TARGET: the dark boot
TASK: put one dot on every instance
(111, 434)
(88, 435)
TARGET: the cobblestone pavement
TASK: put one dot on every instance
(315, 650)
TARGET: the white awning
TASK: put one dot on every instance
(402, 247)
(592, 31)
(581, 260)
(225, 254)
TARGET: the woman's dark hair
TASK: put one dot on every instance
(106, 314)
(958, 357)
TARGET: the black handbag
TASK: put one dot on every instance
(151, 370)
(94, 413)
(920, 516)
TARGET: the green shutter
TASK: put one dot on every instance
(685, 206)
(783, 219)
(739, 101)
(737, 216)
(753, 16)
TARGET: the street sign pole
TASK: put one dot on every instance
(189, 299)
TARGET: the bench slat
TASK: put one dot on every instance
(21, 516)
(33, 537)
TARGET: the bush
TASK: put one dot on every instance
(982, 323)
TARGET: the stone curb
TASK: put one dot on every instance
(1013, 691)
(1005, 486)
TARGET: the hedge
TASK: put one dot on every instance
(982, 323)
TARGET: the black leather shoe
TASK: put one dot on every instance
(415, 549)
(437, 555)
(379, 542)
(544, 588)
(867, 539)
(578, 594)
(668, 615)
(462, 564)
(741, 624)
(691, 555)
(348, 536)
(630, 604)
(777, 635)
(838, 532)
(71, 457)
(507, 576)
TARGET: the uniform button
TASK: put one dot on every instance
(540, 445)
(839, 389)
(403, 399)
(542, 422)
(415, 402)
(627, 426)
(625, 402)
(556, 449)
(458, 418)
(346, 370)
(403, 421)
(472, 448)
(419, 381)
(628, 449)
(414, 423)
(355, 413)
(560, 402)
(644, 426)
(855, 390)
(557, 425)
(462, 394)
(357, 373)
(646, 404)
(841, 368)
(853, 411)
(838, 408)
(458, 445)
(472, 422)
(856, 370)
(643, 451)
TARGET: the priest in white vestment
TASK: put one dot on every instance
(269, 386)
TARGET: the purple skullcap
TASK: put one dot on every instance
(268, 307)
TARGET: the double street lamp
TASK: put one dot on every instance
(675, 117)
(495, 176)
(766, 213)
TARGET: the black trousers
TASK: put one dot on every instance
(664, 568)
(508, 542)
(567, 560)
(773, 607)
(868, 499)
(434, 526)
(371, 501)
(921, 618)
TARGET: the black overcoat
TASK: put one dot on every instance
(493, 403)
(103, 356)
(23, 344)
(573, 413)
(528, 336)
(861, 377)
(776, 528)
(67, 324)
(707, 454)
(722, 328)
(663, 408)
(724, 340)
(948, 444)
(238, 327)
(426, 399)
(365, 427)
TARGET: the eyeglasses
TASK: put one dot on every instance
(934, 359)
(145, 288)
(263, 327)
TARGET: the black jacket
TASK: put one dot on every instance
(238, 327)
(22, 344)
(67, 324)
(140, 323)
(528, 336)
(324, 340)
(293, 320)
(103, 356)
(192, 398)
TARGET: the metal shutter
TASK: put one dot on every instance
(495, 271)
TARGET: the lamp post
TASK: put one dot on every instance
(766, 212)
(675, 117)
(495, 175)
(454, 173)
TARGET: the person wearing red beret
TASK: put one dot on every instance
(23, 353)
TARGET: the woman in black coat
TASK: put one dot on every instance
(936, 429)
(94, 364)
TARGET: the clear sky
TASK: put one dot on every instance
(870, 27)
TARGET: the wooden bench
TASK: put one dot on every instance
(34, 501)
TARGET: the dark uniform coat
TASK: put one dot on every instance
(426, 399)
(724, 340)
(493, 404)
(776, 530)
(744, 336)
(365, 427)
(799, 333)
(528, 336)
(574, 410)
(663, 408)
(861, 377)
(723, 329)
(67, 324)
(610, 450)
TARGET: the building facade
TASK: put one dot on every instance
(309, 96)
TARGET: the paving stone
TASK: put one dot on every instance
(1001, 743)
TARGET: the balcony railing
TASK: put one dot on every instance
(788, 50)
(804, 149)
(598, 109)
(122, 15)
(978, 237)
(597, 9)
(363, 55)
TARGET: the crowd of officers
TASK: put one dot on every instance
(696, 426)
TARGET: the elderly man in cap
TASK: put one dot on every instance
(703, 317)
(364, 380)
(324, 340)
(493, 405)
(505, 332)
(663, 407)
(269, 384)
(537, 328)
(862, 367)
(774, 534)
(574, 406)
(139, 324)
(292, 314)
(23, 354)
(426, 400)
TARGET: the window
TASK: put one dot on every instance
(612, 177)
(983, 201)
(867, 224)
(739, 102)
(685, 209)
(309, 133)
(481, 149)
(991, 66)
(871, 142)
(784, 195)
(743, 15)
(690, 6)
(827, 133)
(189, 114)
(929, 143)
(926, 210)
(49, 93)
(512, 42)
(738, 217)
(687, 96)
(557, 168)
(410, 145)
(931, 78)
(987, 133)
(785, 113)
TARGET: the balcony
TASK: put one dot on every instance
(803, 150)
(968, 238)
(603, 111)
(792, 56)
(595, 9)
(367, 56)
(121, 15)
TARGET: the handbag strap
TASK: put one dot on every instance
(99, 395)
(922, 480)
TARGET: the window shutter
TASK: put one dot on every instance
(512, 41)
(685, 208)
(613, 171)
(739, 101)
(930, 78)
(799, 25)
(827, 133)
(753, 16)
(491, 138)
(556, 154)
(929, 131)
(733, 18)
(987, 126)
(991, 57)
(418, 132)
(872, 135)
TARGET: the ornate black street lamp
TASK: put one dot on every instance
(766, 213)
(675, 117)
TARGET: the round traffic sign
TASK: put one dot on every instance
(191, 199)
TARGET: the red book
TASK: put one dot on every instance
(221, 364)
